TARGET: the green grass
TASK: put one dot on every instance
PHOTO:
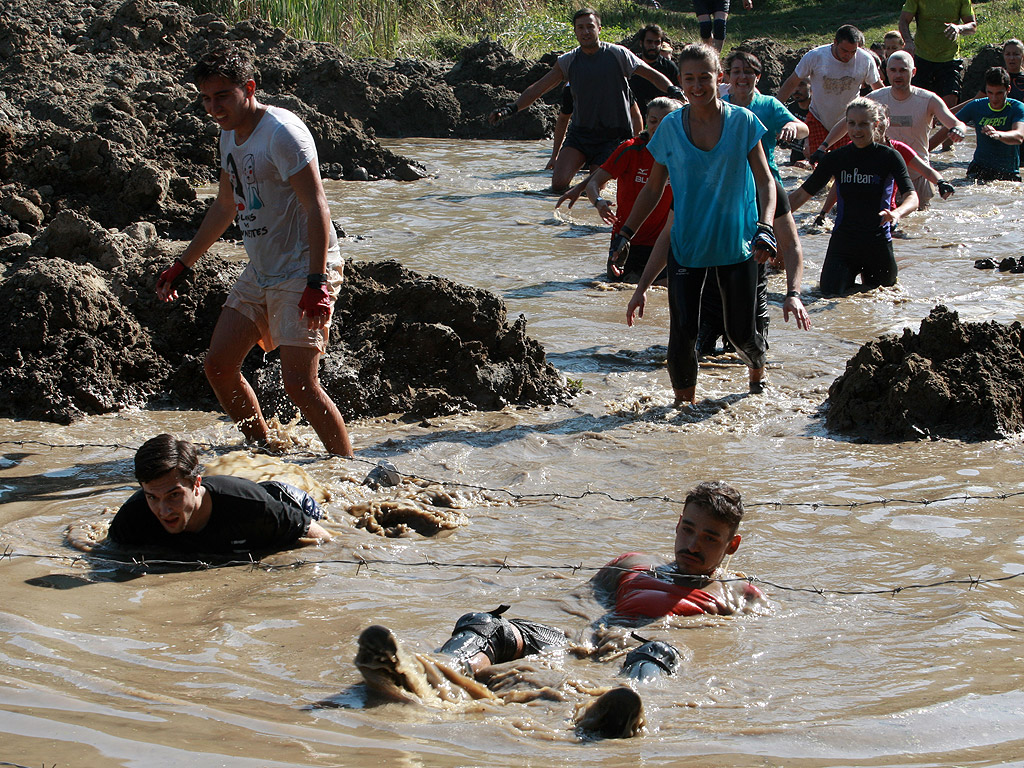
(531, 28)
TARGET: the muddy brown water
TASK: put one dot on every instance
(226, 666)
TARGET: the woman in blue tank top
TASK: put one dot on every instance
(724, 202)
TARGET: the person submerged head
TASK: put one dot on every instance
(707, 528)
(168, 471)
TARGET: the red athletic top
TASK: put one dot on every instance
(640, 595)
(630, 165)
(907, 153)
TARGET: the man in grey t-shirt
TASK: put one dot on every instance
(599, 73)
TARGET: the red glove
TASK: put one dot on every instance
(315, 302)
(171, 275)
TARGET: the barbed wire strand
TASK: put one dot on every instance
(361, 563)
(143, 564)
(554, 495)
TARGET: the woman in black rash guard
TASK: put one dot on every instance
(865, 172)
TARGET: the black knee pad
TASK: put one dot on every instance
(718, 29)
(651, 660)
(494, 636)
(487, 632)
(705, 30)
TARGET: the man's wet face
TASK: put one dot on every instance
(702, 541)
(174, 499)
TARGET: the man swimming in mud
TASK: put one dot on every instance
(637, 587)
(179, 509)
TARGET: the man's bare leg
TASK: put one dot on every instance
(569, 161)
(233, 337)
(300, 373)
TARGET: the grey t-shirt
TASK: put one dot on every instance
(600, 89)
(273, 222)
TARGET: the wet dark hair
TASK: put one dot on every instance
(232, 62)
(166, 453)
(747, 58)
(652, 29)
(700, 52)
(997, 76)
(850, 34)
(721, 500)
(586, 12)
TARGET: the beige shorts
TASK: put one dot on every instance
(925, 190)
(275, 310)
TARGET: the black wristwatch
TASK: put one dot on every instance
(316, 279)
(792, 294)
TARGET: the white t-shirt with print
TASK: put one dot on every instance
(273, 222)
(834, 83)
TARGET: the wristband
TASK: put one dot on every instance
(626, 232)
(316, 279)
(675, 92)
(792, 294)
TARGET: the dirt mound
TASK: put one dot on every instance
(88, 335)
(100, 117)
(974, 72)
(952, 379)
(777, 61)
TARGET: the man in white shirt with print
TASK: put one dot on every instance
(270, 181)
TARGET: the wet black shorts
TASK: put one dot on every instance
(941, 77)
(781, 200)
(595, 151)
(709, 7)
(983, 173)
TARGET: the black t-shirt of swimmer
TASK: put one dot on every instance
(865, 179)
(244, 517)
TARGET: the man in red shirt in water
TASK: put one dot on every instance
(637, 587)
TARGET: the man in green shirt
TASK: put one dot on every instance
(936, 45)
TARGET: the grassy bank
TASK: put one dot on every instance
(439, 28)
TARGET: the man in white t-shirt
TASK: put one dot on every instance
(911, 112)
(599, 73)
(836, 73)
(270, 181)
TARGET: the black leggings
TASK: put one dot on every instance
(847, 257)
(743, 296)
